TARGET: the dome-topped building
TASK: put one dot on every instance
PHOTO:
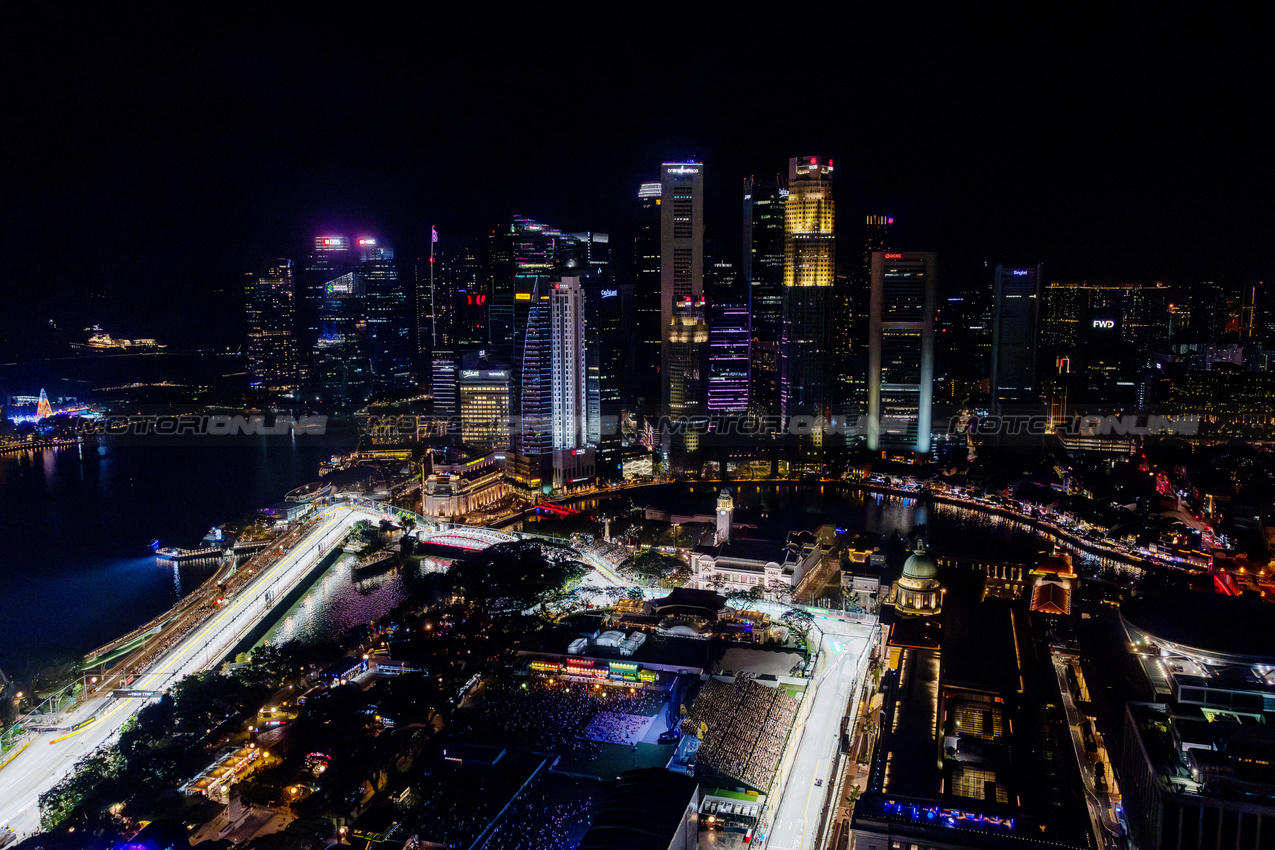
(918, 591)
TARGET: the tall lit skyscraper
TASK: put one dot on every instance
(613, 333)
(963, 352)
(608, 337)
(554, 399)
(901, 351)
(388, 322)
(764, 273)
(1015, 306)
(341, 371)
(330, 259)
(272, 343)
(1140, 311)
(535, 379)
(568, 364)
(442, 383)
(685, 332)
(646, 298)
(809, 274)
(728, 360)
(521, 252)
(852, 345)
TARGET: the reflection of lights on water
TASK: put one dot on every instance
(337, 602)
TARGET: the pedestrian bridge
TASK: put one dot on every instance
(466, 537)
(430, 530)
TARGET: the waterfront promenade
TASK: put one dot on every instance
(1049, 525)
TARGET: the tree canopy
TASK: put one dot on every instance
(511, 576)
(657, 568)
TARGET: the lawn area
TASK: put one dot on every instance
(610, 760)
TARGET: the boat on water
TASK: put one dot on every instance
(100, 340)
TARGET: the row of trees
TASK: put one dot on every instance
(160, 747)
(654, 568)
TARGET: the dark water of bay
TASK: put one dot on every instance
(76, 524)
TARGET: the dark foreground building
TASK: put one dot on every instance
(649, 809)
(1198, 765)
(973, 749)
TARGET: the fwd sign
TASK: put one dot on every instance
(1104, 323)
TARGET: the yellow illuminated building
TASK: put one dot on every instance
(808, 224)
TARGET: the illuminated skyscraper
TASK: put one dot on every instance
(467, 282)
(436, 277)
(901, 351)
(341, 370)
(963, 348)
(388, 322)
(330, 259)
(764, 241)
(609, 336)
(521, 252)
(646, 297)
(809, 275)
(1140, 313)
(728, 362)
(1015, 305)
(685, 332)
(764, 273)
(272, 342)
(850, 329)
(568, 364)
(442, 384)
(554, 399)
(484, 402)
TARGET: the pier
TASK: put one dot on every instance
(172, 553)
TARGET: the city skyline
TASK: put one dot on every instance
(1131, 160)
(542, 444)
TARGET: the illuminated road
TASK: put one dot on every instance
(1102, 819)
(795, 817)
(49, 756)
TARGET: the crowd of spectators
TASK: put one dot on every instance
(559, 715)
(616, 728)
(747, 725)
(534, 823)
(611, 554)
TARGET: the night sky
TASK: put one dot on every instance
(155, 158)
